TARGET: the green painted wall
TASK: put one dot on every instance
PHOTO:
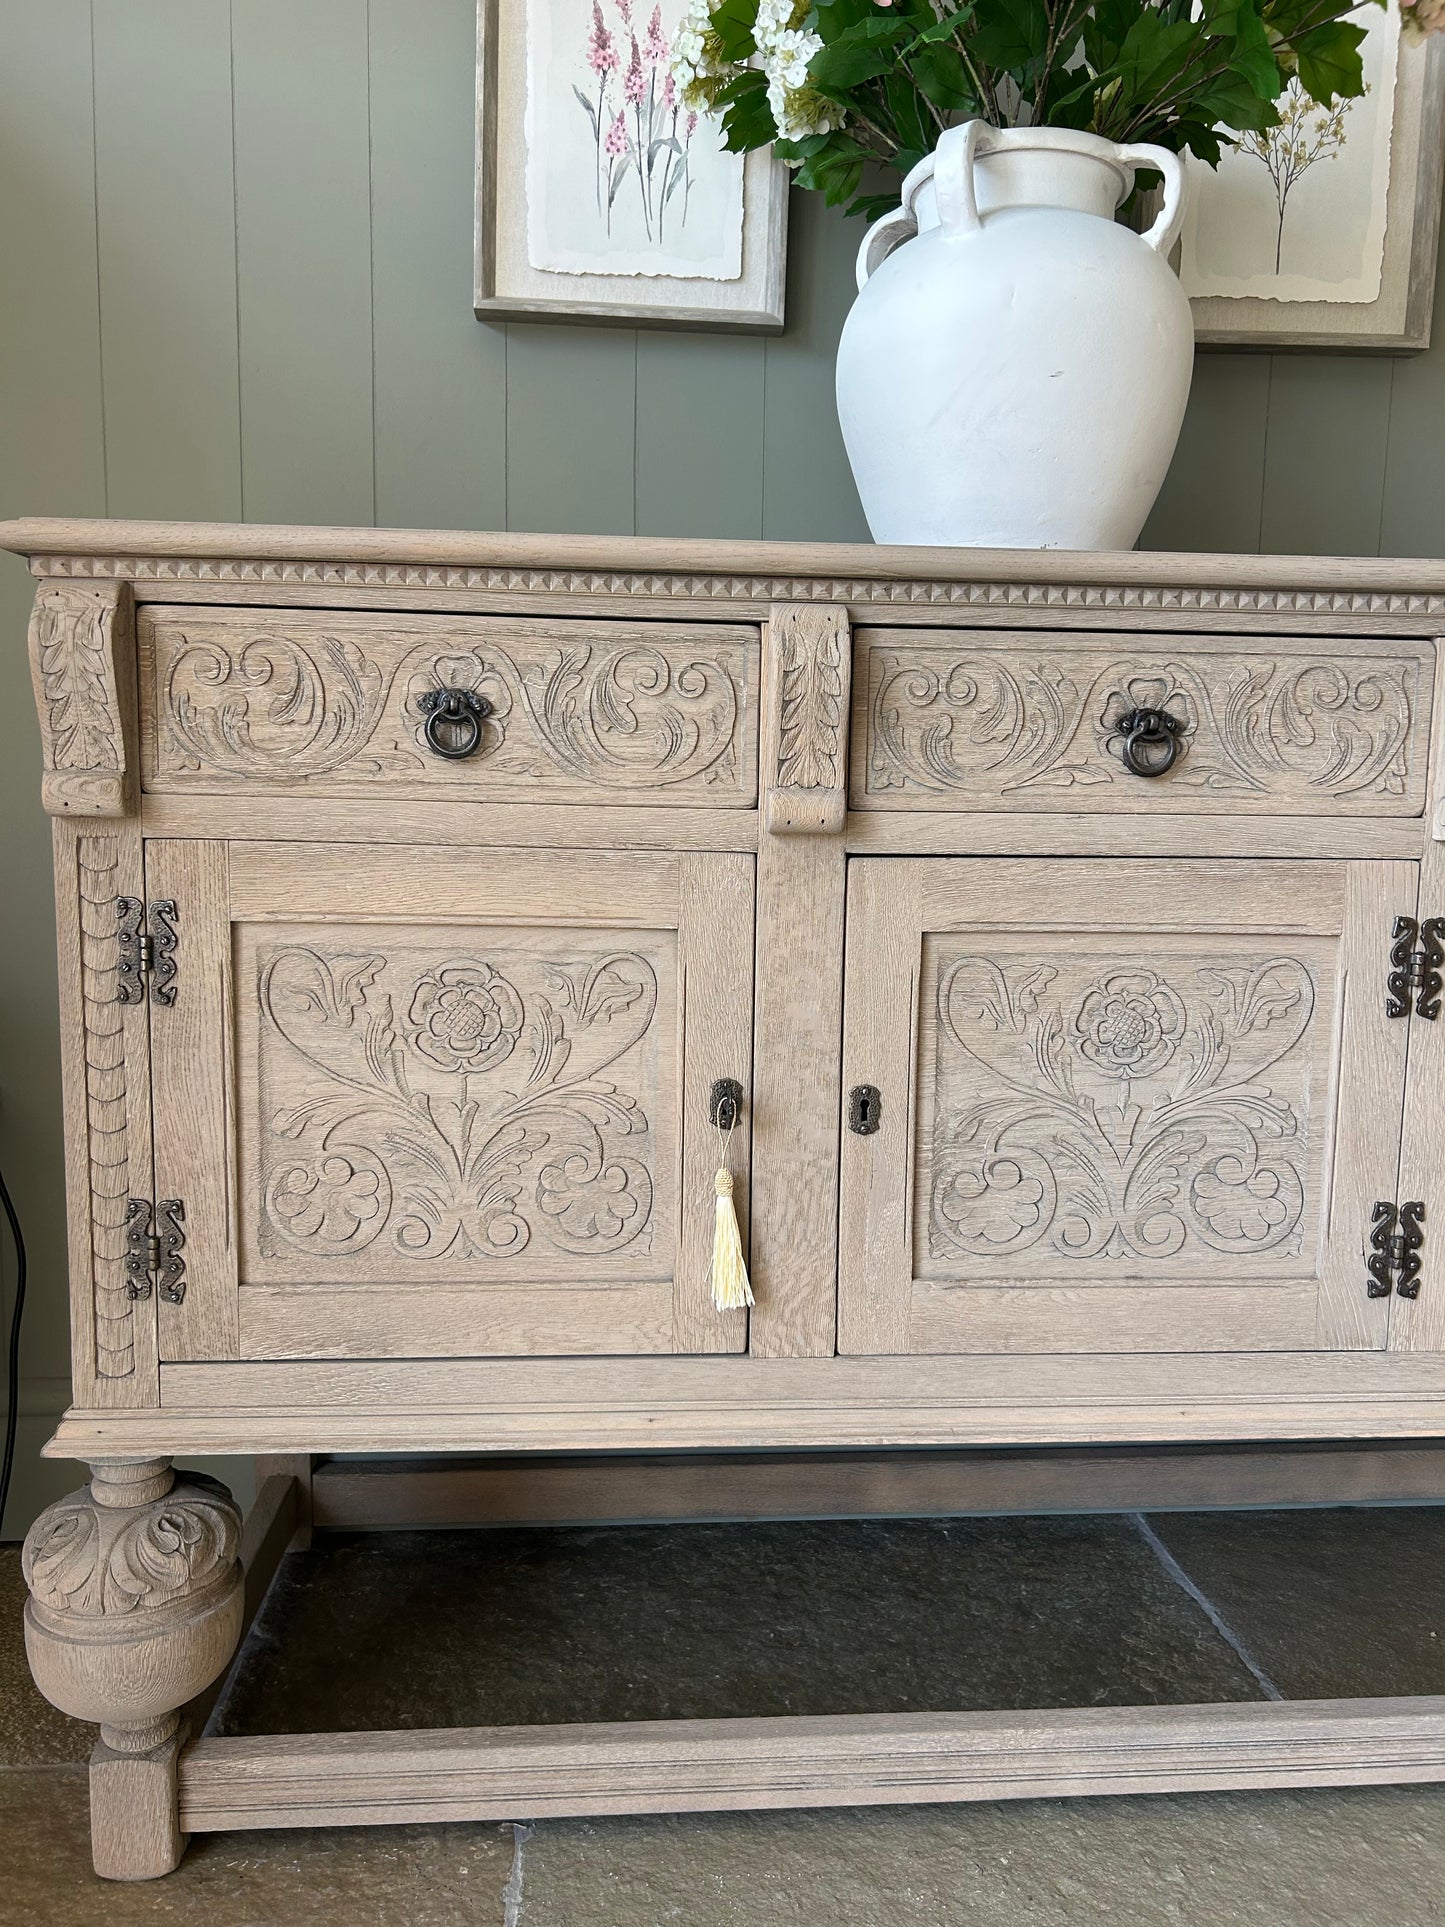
(237, 284)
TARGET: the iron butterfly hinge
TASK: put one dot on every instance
(155, 1254)
(1417, 959)
(147, 950)
(1396, 1241)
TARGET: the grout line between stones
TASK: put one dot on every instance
(1205, 1604)
(522, 1832)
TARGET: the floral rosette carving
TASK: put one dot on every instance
(456, 1108)
(1122, 1111)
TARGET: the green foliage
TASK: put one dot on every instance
(1173, 72)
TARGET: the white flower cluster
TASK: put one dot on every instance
(785, 51)
(697, 63)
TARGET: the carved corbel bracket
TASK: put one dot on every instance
(82, 662)
(807, 680)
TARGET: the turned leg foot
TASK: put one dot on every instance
(135, 1607)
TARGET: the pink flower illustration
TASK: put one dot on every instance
(669, 94)
(624, 7)
(616, 141)
(634, 86)
(602, 55)
(657, 45)
(691, 125)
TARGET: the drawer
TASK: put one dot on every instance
(332, 703)
(971, 720)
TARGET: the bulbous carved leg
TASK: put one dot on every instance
(135, 1607)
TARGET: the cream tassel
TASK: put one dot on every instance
(730, 1288)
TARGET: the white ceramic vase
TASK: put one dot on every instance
(1014, 371)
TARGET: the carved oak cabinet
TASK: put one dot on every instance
(1071, 924)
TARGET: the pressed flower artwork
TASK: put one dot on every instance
(623, 177)
(1297, 212)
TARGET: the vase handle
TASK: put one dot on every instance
(954, 156)
(1165, 231)
(951, 160)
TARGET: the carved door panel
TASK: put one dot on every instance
(422, 1103)
(1121, 1106)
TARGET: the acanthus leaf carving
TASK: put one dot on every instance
(86, 1560)
(82, 667)
(810, 722)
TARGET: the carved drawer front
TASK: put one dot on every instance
(336, 704)
(1122, 1106)
(962, 720)
(424, 1104)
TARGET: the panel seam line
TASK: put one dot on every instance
(1207, 1606)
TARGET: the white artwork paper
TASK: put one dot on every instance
(621, 177)
(1298, 213)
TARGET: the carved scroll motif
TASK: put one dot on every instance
(289, 707)
(105, 1107)
(1257, 729)
(460, 1105)
(82, 666)
(809, 681)
(1125, 1110)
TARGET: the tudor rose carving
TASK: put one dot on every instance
(258, 699)
(1132, 1109)
(1255, 726)
(436, 1105)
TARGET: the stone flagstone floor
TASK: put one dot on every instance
(690, 1621)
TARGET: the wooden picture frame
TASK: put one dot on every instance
(741, 288)
(1399, 317)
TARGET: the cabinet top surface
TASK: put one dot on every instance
(65, 546)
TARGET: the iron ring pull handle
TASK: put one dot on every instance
(454, 719)
(1150, 741)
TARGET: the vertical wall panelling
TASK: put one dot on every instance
(807, 484)
(167, 238)
(51, 460)
(1212, 497)
(1413, 518)
(571, 427)
(1324, 462)
(441, 380)
(699, 435)
(303, 250)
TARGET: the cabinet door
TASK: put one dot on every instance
(1123, 1106)
(422, 1102)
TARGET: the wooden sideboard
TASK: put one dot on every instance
(1072, 924)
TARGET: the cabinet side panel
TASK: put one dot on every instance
(105, 1078)
(194, 1098)
(1418, 1324)
(1369, 1098)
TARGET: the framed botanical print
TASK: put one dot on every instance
(1322, 232)
(600, 196)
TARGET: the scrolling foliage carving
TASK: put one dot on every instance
(429, 1105)
(1255, 727)
(605, 713)
(1121, 1109)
